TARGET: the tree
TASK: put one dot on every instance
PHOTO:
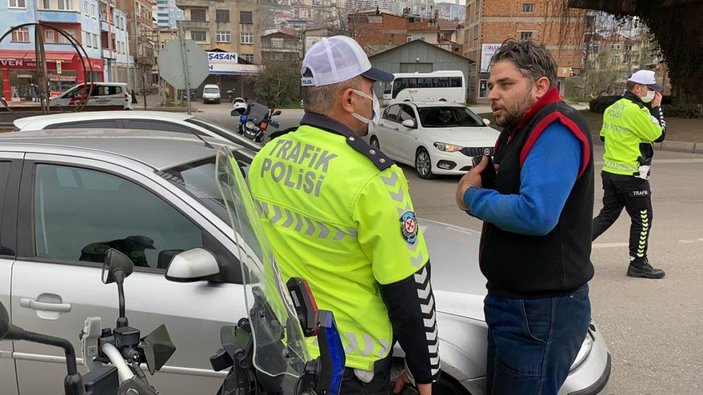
(677, 27)
(277, 85)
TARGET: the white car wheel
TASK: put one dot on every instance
(423, 164)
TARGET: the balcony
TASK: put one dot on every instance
(107, 54)
(59, 16)
(196, 25)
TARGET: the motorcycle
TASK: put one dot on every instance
(254, 119)
(112, 355)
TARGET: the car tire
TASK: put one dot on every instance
(423, 164)
(374, 143)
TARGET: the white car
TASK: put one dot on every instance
(101, 94)
(142, 120)
(434, 138)
(153, 195)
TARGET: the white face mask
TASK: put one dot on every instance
(376, 112)
(648, 97)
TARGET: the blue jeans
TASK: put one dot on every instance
(533, 342)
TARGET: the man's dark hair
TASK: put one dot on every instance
(532, 59)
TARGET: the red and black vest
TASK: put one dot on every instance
(523, 266)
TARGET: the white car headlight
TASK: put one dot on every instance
(448, 147)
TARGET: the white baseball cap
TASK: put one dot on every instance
(645, 77)
(336, 59)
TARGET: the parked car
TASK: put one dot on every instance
(101, 94)
(434, 138)
(211, 94)
(152, 195)
(143, 120)
(183, 93)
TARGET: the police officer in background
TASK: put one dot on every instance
(630, 126)
(338, 214)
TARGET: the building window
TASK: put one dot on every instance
(198, 35)
(85, 6)
(246, 38)
(46, 4)
(87, 40)
(246, 17)
(21, 35)
(49, 36)
(525, 36)
(476, 31)
(221, 15)
(249, 57)
(615, 47)
(197, 15)
(65, 5)
(17, 4)
(478, 7)
(93, 11)
(224, 36)
(528, 7)
(95, 41)
(64, 40)
(277, 42)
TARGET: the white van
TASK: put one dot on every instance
(211, 94)
(101, 94)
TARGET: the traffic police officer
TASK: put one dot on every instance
(629, 128)
(338, 214)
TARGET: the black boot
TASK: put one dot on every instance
(641, 268)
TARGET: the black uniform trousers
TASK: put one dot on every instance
(634, 195)
(380, 384)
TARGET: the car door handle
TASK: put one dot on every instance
(44, 306)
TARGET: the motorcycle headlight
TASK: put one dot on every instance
(448, 147)
(251, 125)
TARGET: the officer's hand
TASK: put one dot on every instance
(470, 179)
(403, 380)
(657, 101)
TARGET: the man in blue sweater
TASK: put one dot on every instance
(536, 239)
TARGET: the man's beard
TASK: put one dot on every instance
(515, 114)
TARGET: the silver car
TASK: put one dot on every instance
(152, 195)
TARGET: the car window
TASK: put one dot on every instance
(392, 113)
(442, 117)
(149, 124)
(406, 112)
(74, 91)
(79, 213)
(227, 134)
(90, 124)
(4, 175)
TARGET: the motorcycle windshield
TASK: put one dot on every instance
(257, 112)
(280, 350)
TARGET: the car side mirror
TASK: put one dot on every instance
(193, 265)
(409, 123)
(7, 330)
(486, 121)
(277, 112)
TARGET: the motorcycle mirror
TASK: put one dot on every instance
(158, 348)
(8, 331)
(117, 266)
(193, 265)
(277, 112)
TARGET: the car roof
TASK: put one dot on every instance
(41, 121)
(159, 150)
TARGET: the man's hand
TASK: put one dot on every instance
(403, 380)
(657, 101)
(470, 179)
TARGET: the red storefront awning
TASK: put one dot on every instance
(51, 56)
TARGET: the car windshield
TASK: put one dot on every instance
(211, 90)
(445, 117)
(223, 132)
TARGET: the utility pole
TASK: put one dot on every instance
(136, 44)
(186, 74)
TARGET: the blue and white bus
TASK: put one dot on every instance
(445, 85)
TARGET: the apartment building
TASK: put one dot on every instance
(143, 41)
(489, 23)
(227, 26)
(378, 31)
(79, 19)
(282, 47)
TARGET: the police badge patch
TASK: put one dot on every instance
(408, 226)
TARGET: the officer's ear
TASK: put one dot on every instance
(348, 98)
